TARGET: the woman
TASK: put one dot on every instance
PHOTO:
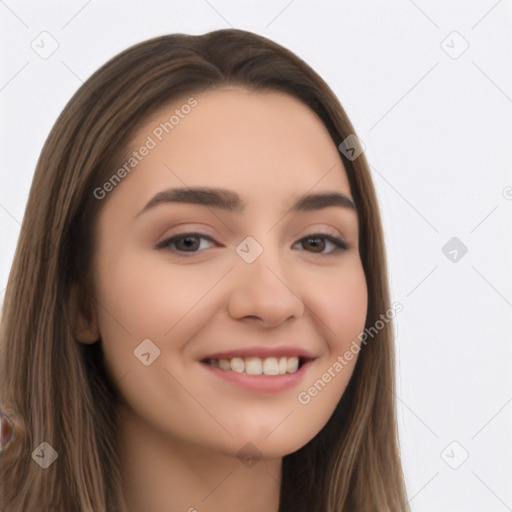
(229, 372)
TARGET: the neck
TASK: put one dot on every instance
(164, 474)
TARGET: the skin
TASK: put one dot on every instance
(181, 426)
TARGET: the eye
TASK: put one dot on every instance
(319, 241)
(190, 243)
(184, 242)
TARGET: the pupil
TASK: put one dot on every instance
(188, 241)
(316, 242)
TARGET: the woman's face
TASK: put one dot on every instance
(255, 283)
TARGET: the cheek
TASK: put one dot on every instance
(341, 315)
(143, 297)
(148, 296)
(337, 302)
(341, 303)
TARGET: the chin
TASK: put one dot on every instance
(273, 446)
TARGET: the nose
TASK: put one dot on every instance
(263, 293)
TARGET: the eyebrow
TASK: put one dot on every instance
(230, 201)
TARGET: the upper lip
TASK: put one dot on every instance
(263, 351)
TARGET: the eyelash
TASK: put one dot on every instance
(340, 245)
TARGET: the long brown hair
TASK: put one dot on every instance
(58, 389)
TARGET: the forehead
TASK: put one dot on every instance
(264, 144)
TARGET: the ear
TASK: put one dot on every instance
(84, 318)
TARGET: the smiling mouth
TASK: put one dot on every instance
(259, 366)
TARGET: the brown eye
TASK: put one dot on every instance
(185, 242)
(317, 242)
(189, 243)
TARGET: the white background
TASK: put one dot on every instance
(437, 131)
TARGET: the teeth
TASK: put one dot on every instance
(257, 365)
(237, 364)
(270, 366)
(292, 364)
(282, 365)
(224, 364)
(253, 366)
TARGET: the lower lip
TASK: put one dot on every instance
(261, 383)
